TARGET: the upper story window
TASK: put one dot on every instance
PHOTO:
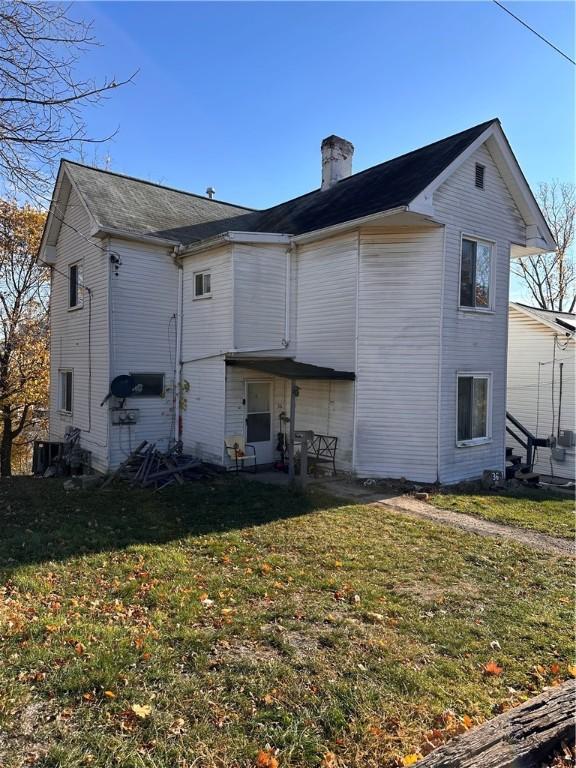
(66, 388)
(479, 176)
(148, 385)
(202, 285)
(75, 286)
(475, 274)
(473, 408)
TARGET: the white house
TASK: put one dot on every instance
(541, 394)
(383, 295)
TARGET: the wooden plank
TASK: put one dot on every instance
(522, 737)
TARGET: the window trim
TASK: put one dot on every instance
(61, 408)
(79, 285)
(489, 310)
(488, 375)
(198, 296)
(150, 373)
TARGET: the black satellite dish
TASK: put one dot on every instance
(121, 387)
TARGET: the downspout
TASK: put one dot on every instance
(178, 353)
(356, 338)
(440, 357)
(288, 293)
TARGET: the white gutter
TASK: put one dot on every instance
(255, 238)
(123, 234)
(351, 224)
(223, 353)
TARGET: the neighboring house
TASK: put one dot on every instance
(383, 294)
(541, 394)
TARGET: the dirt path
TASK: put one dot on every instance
(408, 505)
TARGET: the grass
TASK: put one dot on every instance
(536, 509)
(234, 624)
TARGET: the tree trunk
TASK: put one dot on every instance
(521, 738)
(6, 443)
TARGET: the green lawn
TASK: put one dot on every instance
(233, 625)
(537, 509)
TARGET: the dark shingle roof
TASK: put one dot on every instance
(141, 207)
(121, 202)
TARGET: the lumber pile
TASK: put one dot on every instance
(148, 467)
(523, 737)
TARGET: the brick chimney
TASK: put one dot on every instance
(336, 160)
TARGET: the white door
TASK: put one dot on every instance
(259, 419)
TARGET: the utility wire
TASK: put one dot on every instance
(534, 31)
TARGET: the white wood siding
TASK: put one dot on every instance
(143, 295)
(203, 409)
(474, 341)
(326, 302)
(69, 347)
(260, 297)
(398, 347)
(532, 397)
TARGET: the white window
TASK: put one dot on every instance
(474, 406)
(475, 273)
(66, 391)
(202, 286)
(75, 286)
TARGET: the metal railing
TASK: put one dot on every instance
(530, 441)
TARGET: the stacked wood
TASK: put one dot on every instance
(148, 467)
(523, 737)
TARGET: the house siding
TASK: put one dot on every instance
(72, 346)
(400, 276)
(144, 305)
(475, 341)
(207, 334)
(535, 352)
(326, 302)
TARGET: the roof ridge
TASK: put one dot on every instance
(540, 309)
(384, 162)
(155, 184)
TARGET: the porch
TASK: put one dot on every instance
(268, 400)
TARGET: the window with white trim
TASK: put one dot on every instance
(202, 285)
(66, 391)
(474, 392)
(475, 273)
(75, 285)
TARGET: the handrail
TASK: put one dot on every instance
(531, 440)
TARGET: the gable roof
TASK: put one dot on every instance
(562, 322)
(119, 203)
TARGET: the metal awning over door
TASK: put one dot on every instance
(288, 368)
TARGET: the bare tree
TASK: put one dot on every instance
(550, 277)
(42, 100)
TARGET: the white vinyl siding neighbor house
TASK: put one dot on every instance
(380, 301)
(541, 392)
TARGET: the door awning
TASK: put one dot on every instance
(288, 368)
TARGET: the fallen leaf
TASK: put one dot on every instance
(329, 761)
(572, 670)
(467, 721)
(554, 668)
(492, 668)
(411, 759)
(110, 694)
(265, 759)
(265, 568)
(142, 711)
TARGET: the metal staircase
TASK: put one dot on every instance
(518, 467)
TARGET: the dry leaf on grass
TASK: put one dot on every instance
(265, 759)
(492, 668)
(142, 711)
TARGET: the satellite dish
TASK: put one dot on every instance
(121, 387)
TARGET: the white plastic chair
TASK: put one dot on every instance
(239, 452)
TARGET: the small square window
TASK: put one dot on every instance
(475, 274)
(479, 176)
(202, 285)
(75, 286)
(66, 391)
(148, 385)
(473, 408)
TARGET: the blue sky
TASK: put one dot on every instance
(240, 95)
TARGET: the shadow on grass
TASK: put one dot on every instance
(40, 521)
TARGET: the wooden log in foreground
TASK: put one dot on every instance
(522, 737)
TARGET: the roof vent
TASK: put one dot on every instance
(336, 160)
(210, 191)
(479, 176)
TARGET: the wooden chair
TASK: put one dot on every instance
(239, 452)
